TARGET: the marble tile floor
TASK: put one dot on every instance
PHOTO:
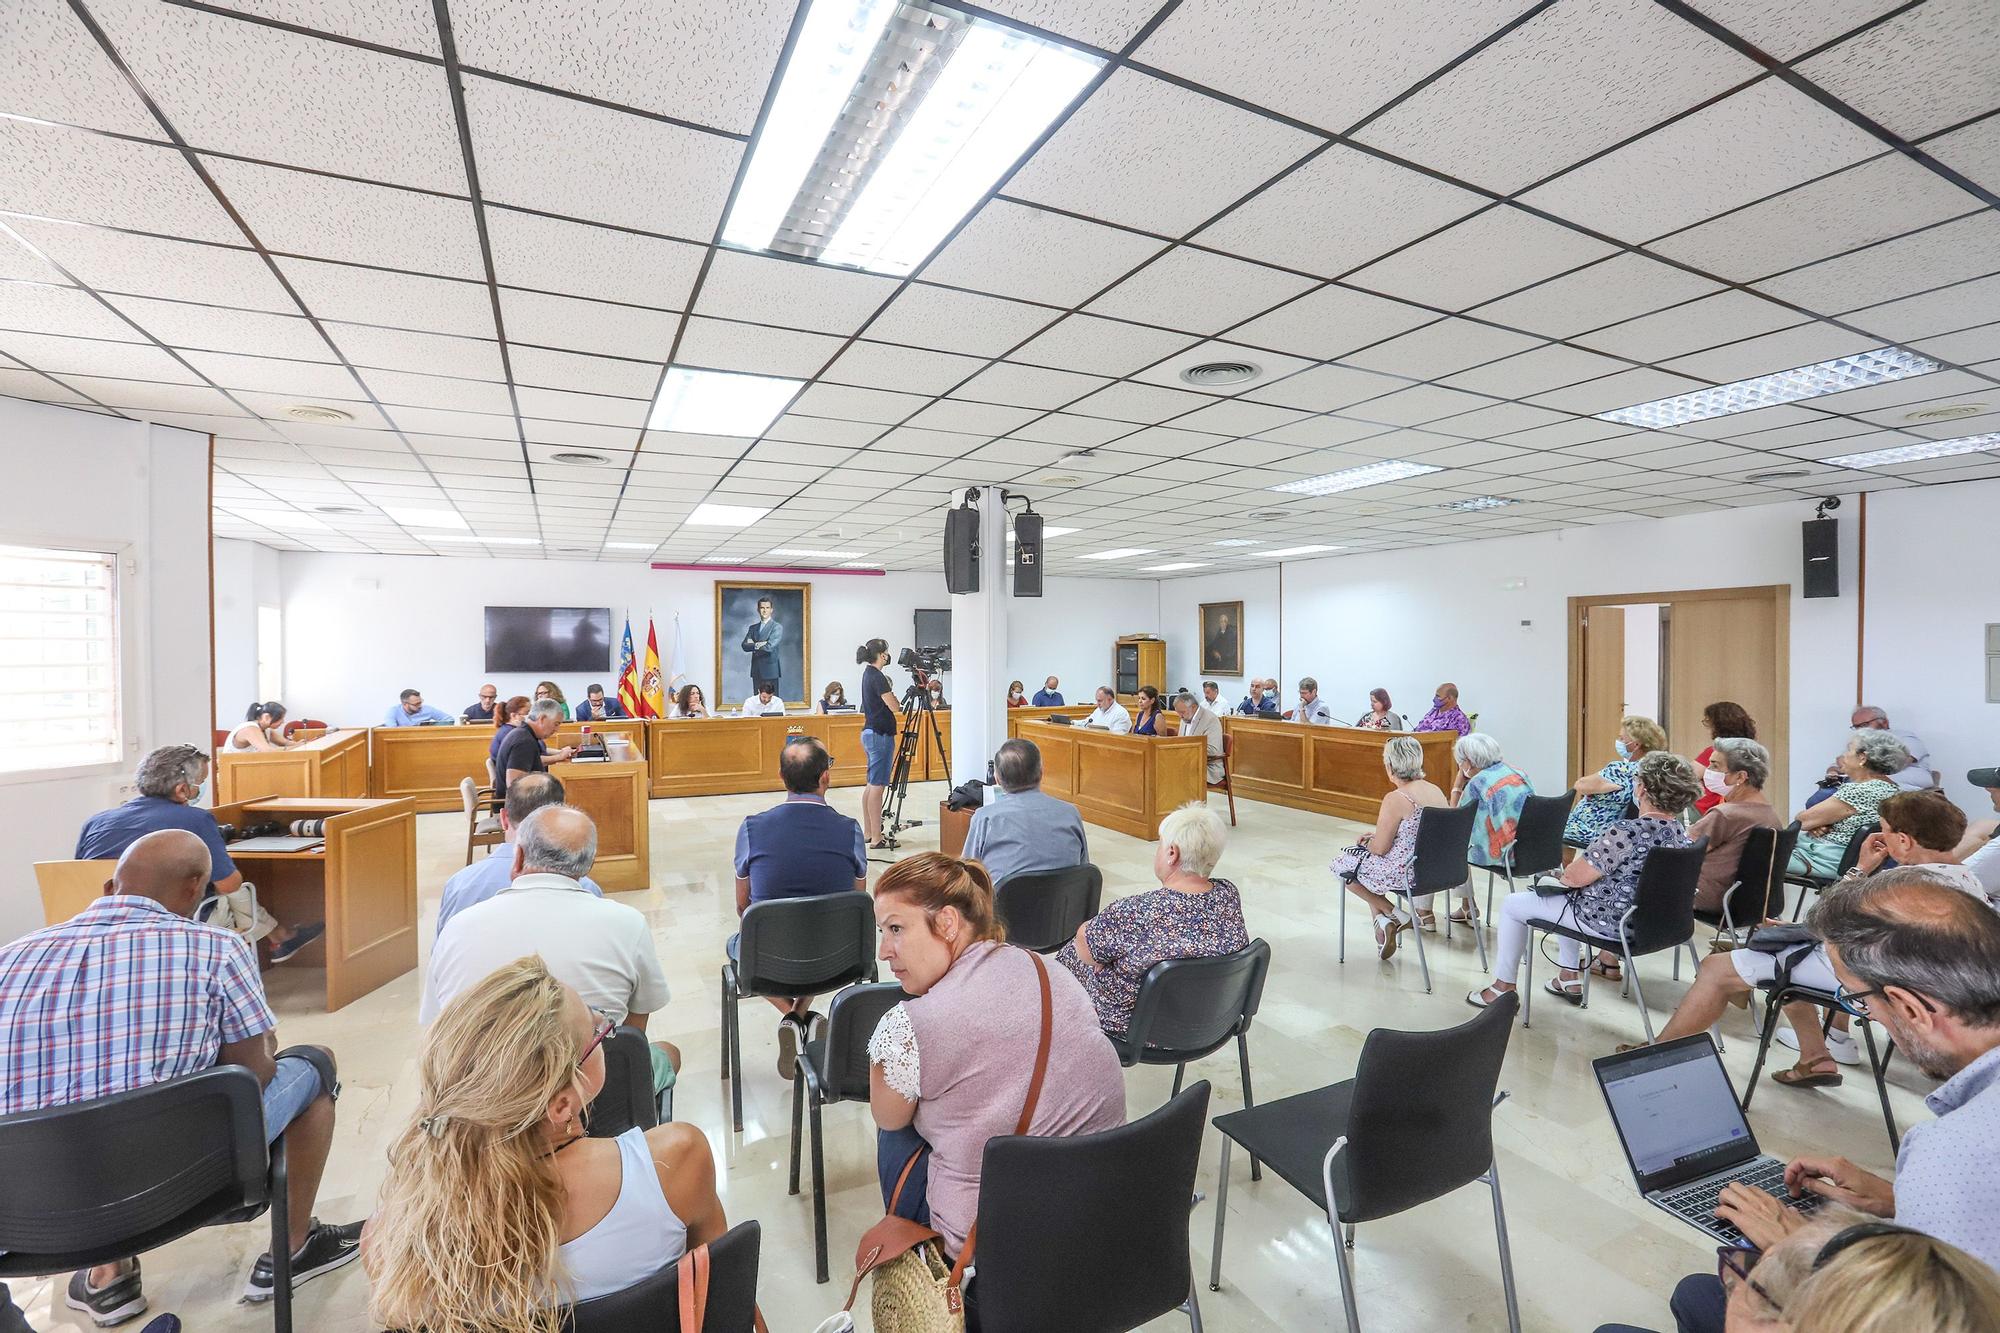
(1586, 1248)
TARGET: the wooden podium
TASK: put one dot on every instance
(616, 795)
(334, 765)
(1127, 783)
(1331, 770)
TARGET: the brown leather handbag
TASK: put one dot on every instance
(693, 1280)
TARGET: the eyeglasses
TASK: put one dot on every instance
(605, 1027)
(1856, 1001)
(1733, 1264)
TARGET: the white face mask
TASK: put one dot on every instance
(1715, 780)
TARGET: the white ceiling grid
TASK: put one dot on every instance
(1447, 234)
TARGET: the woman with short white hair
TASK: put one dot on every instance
(1191, 915)
(1484, 779)
(1825, 828)
(1386, 860)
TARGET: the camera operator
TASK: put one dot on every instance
(878, 734)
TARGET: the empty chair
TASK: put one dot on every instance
(98, 1181)
(481, 829)
(835, 1069)
(793, 947)
(70, 886)
(627, 1099)
(1415, 1122)
(1444, 836)
(1043, 910)
(1537, 845)
(653, 1305)
(1089, 1234)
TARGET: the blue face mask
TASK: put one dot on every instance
(1624, 750)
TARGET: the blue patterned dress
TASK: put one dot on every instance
(1592, 815)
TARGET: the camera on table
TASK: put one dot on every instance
(922, 662)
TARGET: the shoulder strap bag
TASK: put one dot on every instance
(693, 1281)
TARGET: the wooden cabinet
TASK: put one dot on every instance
(1137, 660)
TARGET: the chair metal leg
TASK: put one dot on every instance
(1479, 936)
(819, 1196)
(1243, 1063)
(1221, 1215)
(1527, 986)
(723, 1036)
(1191, 1307)
(1422, 962)
(798, 1123)
(1881, 1085)
(1506, 1255)
(1632, 979)
(734, 1020)
(1771, 1008)
(1345, 899)
(1346, 1269)
(281, 1239)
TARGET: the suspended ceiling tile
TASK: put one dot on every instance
(1479, 259)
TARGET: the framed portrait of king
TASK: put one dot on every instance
(1221, 638)
(763, 632)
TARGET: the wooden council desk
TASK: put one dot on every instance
(426, 764)
(332, 766)
(615, 795)
(363, 884)
(1329, 770)
(713, 756)
(1126, 783)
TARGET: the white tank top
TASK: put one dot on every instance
(236, 741)
(636, 1239)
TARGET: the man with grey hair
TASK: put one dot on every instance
(492, 873)
(1198, 721)
(1917, 776)
(602, 949)
(525, 749)
(1313, 710)
(170, 780)
(1021, 830)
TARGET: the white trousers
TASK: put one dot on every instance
(1521, 911)
(239, 911)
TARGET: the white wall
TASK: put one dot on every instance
(81, 480)
(246, 578)
(1256, 586)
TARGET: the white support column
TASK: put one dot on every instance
(979, 648)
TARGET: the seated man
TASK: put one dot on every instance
(1198, 721)
(800, 848)
(524, 750)
(764, 703)
(1918, 775)
(482, 709)
(1109, 715)
(170, 781)
(494, 871)
(412, 711)
(1313, 710)
(1445, 714)
(1049, 696)
(597, 708)
(1262, 698)
(130, 992)
(604, 950)
(1020, 830)
(1211, 694)
(1979, 849)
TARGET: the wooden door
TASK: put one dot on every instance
(1727, 648)
(1603, 691)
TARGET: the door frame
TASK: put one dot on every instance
(1776, 731)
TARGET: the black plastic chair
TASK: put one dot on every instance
(1758, 890)
(1776, 997)
(1043, 910)
(1444, 837)
(1414, 1123)
(1112, 1251)
(1190, 1008)
(831, 1070)
(653, 1305)
(1810, 883)
(98, 1181)
(626, 1101)
(1537, 848)
(1661, 917)
(790, 948)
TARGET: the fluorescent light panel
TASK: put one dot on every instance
(1297, 550)
(1917, 453)
(1046, 533)
(1879, 366)
(1371, 474)
(1181, 564)
(1240, 541)
(708, 515)
(630, 546)
(804, 553)
(474, 537)
(1478, 502)
(873, 150)
(721, 560)
(1119, 553)
(715, 402)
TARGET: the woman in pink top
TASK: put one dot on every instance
(949, 1068)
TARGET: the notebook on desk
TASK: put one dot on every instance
(276, 843)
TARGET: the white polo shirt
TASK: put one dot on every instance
(603, 949)
(1112, 717)
(755, 707)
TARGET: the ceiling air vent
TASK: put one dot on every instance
(1781, 474)
(1211, 374)
(312, 412)
(1059, 479)
(336, 509)
(581, 459)
(1269, 515)
(1949, 413)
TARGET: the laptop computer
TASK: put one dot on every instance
(1684, 1133)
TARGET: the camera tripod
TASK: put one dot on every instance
(919, 718)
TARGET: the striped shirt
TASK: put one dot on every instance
(122, 995)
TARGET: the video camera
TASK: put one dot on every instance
(925, 662)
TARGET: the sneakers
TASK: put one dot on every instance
(114, 1303)
(789, 1029)
(1841, 1046)
(301, 937)
(326, 1248)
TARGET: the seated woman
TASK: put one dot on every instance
(1386, 861)
(937, 694)
(1601, 797)
(261, 729)
(1191, 915)
(1737, 770)
(506, 717)
(949, 1068)
(1017, 695)
(689, 702)
(1826, 827)
(1499, 791)
(1722, 720)
(834, 696)
(548, 689)
(1598, 886)
(496, 1207)
(1379, 717)
(1146, 720)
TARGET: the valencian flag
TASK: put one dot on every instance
(628, 675)
(652, 696)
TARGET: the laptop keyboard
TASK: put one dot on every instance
(1697, 1202)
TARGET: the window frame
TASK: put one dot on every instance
(127, 651)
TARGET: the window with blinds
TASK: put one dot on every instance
(58, 658)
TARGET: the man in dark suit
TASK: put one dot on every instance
(761, 641)
(597, 708)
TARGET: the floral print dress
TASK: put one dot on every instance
(1620, 855)
(1592, 815)
(1394, 871)
(1132, 934)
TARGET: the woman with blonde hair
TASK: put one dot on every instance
(548, 689)
(1385, 862)
(1881, 1278)
(496, 1209)
(1601, 797)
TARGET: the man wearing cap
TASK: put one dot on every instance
(1979, 852)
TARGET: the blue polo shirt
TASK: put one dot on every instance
(801, 849)
(1048, 699)
(105, 836)
(425, 716)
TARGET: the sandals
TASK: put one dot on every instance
(1477, 998)
(1386, 929)
(1571, 991)
(1462, 917)
(1427, 922)
(1608, 971)
(1800, 1075)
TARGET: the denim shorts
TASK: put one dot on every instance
(294, 1087)
(881, 752)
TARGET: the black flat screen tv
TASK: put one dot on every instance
(548, 638)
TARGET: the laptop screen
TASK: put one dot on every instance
(1675, 1111)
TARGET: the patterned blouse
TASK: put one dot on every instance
(1499, 791)
(1592, 815)
(1619, 855)
(1866, 798)
(1132, 934)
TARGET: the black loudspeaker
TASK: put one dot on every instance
(961, 550)
(1028, 555)
(1822, 557)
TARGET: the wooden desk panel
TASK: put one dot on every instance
(713, 756)
(334, 767)
(571, 733)
(426, 764)
(1126, 783)
(1330, 770)
(841, 734)
(615, 795)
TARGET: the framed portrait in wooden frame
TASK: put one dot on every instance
(1221, 631)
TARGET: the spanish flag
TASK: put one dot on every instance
(652, 698)
(628, 675)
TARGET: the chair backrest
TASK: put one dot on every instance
(1538, 834)
(653, 1305)
(1043, 910)
(70, 886)
(1759, 890)
(850, 1022)
(1089, 1234)
(807, 946)
(1421, 1120)
(1851, 854)
(626, 1100)
(1194, 1005)
(1444, 839)
(468, 794)
(1665, 898)
(99, 1180)
(1631, 810)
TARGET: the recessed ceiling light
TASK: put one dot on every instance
(630, 546)
(1058, 479)
(314, 412)
(573, 550)
(577, 459)
(1239, 541)
(1046, 533)
(1785, 386)
(891, 122)
(719, 402)
(1181, 564)
(1214, 373)
(1478, 502)
(721, 560)
(1298, 550)
(1917, 453)
(806, 553)
(338, 509)
(425, 518)
(475, 537)
(1118, 553)
(707, 515)
(1371, 474)
(1779, 474)
(1952, 412)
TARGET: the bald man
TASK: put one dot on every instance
(1445, 714)
(130, 992)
